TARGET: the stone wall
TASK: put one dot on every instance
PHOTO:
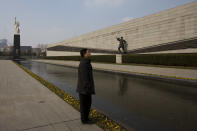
(165, 27)
(68, 53)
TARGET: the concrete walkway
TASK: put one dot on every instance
(26, 105)
(168, 72)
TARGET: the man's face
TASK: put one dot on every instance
(87, 54)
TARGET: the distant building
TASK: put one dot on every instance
(36, 51)
(26, 50)
(3, 44)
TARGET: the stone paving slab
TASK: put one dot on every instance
(26, 105)
(164, 71)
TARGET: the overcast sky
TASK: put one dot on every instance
(49, 21)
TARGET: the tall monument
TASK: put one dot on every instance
(16, 49)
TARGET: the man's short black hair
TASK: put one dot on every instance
(83, 51)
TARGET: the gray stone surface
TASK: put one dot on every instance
(168, 72)
(164, 27)
(118, 58)
(27, 105)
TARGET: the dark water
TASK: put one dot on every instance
(143, 104)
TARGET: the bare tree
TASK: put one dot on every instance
(43, 47)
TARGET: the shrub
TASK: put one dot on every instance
(154, 59)
(162, 59)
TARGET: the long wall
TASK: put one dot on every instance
(165, 27)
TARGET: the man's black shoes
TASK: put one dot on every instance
(89, 121)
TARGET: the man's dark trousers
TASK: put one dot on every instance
(85, 104)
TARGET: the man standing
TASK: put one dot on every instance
(85, 85)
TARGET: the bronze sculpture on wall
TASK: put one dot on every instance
(122, 44)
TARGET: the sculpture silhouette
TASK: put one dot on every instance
(122, 44)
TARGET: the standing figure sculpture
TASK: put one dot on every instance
(122, 44)
(16, 27)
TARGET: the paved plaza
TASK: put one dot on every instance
(27, 105)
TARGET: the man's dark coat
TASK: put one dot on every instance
(85, 83)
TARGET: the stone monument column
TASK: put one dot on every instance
(119, 58)
(16, 49)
